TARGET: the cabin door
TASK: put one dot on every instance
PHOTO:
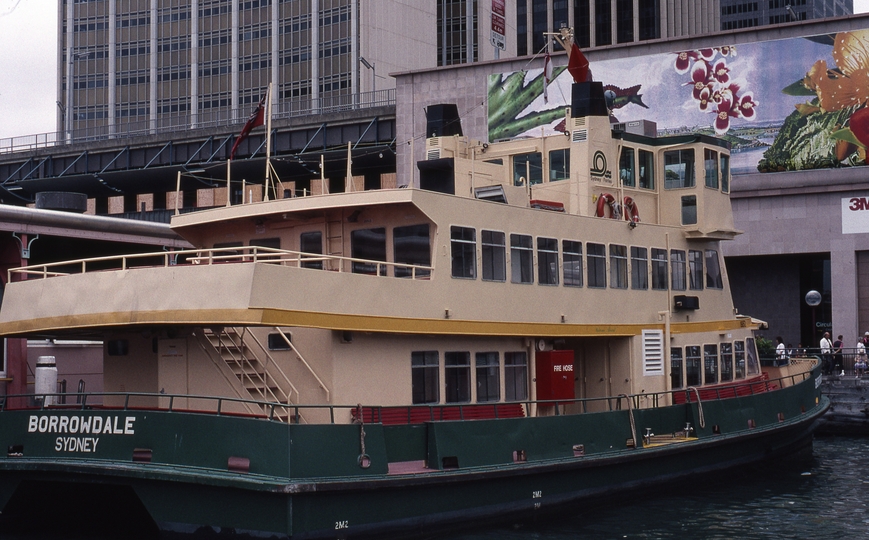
(172, 370)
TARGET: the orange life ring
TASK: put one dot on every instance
(604, 200)
(632, 213)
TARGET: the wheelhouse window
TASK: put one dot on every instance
(626, 167)
(559, 164)
(676, 367)
(689, 210)
(457, 377)
(596, 265)
(739, 358)
(677, 264)
(572, 257)
(370, 245)
(521, 259)
(695, 270)
(463, 248)
(618, 267)
(725, 173)
(494, 255)
(424, 367)
(311, 245)
(726, 362)
(710, 364)
(659, 269)
(547, 261)
(679, 169)
(515, 376)
(411, 245)
(639, 268)
(646, 168)
(692, 366)
(528, 166)
(710, 166)
(752, 365)
(713, 270)
(488, 372)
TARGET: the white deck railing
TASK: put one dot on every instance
(226, 255)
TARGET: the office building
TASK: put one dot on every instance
(749, 13)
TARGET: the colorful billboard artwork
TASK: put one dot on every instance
(784, 105)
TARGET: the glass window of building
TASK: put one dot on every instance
(677, 264)
(693, 371)
(659, 269)
(678, 169)
(626, 167)
(603, 22)
(488, 372)
(676, 367)
(463, 247)
(639, 268)
(624, 21)
(547, 261)
(521, 259)
(369, 245)
(559, 164)
(695, 270)
(515, 376)
(424, 366)
(596, 265)
(529, 167)
(689, 210)
(618, 267)
(726, 362)
(710, 364)
(647, 169)
(457, 377)
(411, 246)
(494, 255)
(311, 244)
(710, 165)
(572, 256)
(713, 270)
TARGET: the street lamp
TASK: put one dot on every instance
(71, 58)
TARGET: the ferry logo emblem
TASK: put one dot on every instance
(599, 168)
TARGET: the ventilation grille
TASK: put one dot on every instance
(580, 135)
(653, 352)
(433, 153)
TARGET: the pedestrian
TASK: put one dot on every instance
(860, 364)
(826, 350)
(838, 359)
(780, 352)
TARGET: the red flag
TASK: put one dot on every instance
(577, 65)
(547, 76)
(256, 119)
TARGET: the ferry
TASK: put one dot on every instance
(537, 322)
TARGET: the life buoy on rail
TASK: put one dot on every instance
(632, 213)
(604, 200)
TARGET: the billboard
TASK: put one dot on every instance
(790, 104)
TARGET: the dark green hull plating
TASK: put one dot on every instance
(305, 481)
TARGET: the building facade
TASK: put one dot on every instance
(748, 13)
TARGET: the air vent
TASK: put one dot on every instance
(579, 122)
(491, 193)
(434, 153)
(653, 352)
(580, 135)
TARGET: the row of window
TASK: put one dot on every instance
(634, 265)
(697, 365)
(457, 373)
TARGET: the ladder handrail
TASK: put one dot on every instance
(305, 362)
(284, 377)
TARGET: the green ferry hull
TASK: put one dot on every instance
(306, 481)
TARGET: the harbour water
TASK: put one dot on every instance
(821, 496)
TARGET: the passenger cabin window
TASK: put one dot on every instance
(273, 243)
(646, 168)
(411, 245)
(725, 173)
(710, 364)
(679, 169)
(752, 366)
(369, 245)
(676, 367)
(226, 254)
(710, 166)
(618, 267)
(488, 374)
(572, 256)
(529, 167)
(639, 268)
(494, 254)
(713, 270)
(689, 210)
(659, 269)
(739, 358)
(311, 245)
(559, 164)
(596, 265)
(726, 362)
(677, 264)
(626, 167)
(277, 342)
(521, 259)
(695, 270)
(463, 247)
(457, 377)
(692, 366)
(424, 366)
(515, 376)
(547, 261)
